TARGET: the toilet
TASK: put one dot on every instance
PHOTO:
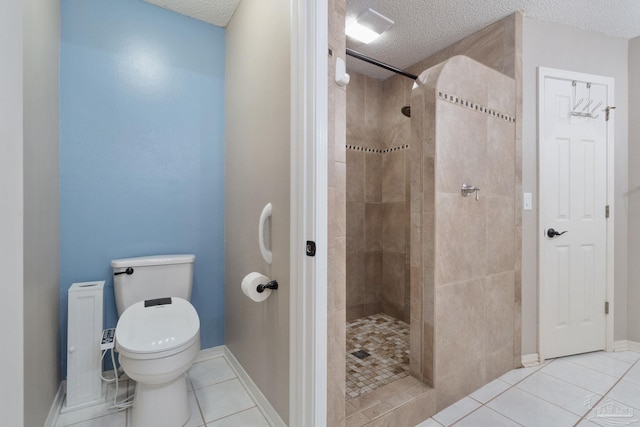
(157, 335)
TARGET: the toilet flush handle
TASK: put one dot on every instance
(128, 271)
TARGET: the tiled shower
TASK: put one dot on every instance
(377, 209)
(377, 243)
(419, 254)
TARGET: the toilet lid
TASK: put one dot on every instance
(158, 325)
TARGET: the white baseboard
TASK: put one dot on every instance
(208, 353)
(263, 404)
(56, 406)
(530, 360)
(626, 345)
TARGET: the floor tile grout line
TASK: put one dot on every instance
(607, 392)
(596, 370)
(564, 381)
(482, 405)
(619, 379)
(221, 382)
(195, 396)
(501, 393)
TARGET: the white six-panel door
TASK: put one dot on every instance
(572, 167)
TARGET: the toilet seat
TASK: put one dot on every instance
(158, 330)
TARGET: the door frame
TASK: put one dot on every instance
(308, 181)
(544, 72)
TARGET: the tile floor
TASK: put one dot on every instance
(216, 394)
(592, 389)
(387, 341)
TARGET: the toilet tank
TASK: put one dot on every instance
(151, 277)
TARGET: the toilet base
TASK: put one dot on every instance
(161, 405)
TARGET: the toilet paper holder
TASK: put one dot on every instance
(273, 285)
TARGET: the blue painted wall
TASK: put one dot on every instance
(141, 148)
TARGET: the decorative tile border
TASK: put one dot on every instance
(375, 150)
(473, 106)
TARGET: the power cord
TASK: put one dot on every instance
(126, 403)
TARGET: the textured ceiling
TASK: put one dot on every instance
(424, 27)
(216, 12)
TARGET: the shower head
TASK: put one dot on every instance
(406, 110)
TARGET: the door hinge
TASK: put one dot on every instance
(606, 307)
(606, 211)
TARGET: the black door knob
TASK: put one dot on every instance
(553, 233)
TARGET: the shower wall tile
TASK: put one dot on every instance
(428, 239)
(340, 125)
(461, 150)
(355, 227)
(393, 278)
(356, 134)
(460, 321)
(499, 362)
(356, 99)
(372, 277)
(393, 310)
(452, 388)
(460, 238)
(499, 305)
(355, 176)
(416, 329)
(340, 178)
(374, 218)
(356, 312)
(499, 237)
(429, 184)
(394, 176)
(373, 177)
(450, 81)
(500, 159)
(336, 355)
(517, 258)
(501, 92)
(393, 227)
(336, 286)
(427, 353)
(355, 279)
(373, 100)
(398, 134)
(397, 91)
(517, 197)
(336, 275)
(372, 308)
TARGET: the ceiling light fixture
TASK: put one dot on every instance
(368, 26)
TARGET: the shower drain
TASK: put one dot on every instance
(360, 354)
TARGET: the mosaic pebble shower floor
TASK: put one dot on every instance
(387, 341)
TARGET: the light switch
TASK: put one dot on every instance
(527, 201)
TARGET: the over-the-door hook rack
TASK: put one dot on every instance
(586, 110)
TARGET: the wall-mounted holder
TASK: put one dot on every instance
(468, 189)
(264, 215)
(273, 285)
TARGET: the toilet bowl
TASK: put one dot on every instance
(158, 340)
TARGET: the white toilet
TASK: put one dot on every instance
(157, 335)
